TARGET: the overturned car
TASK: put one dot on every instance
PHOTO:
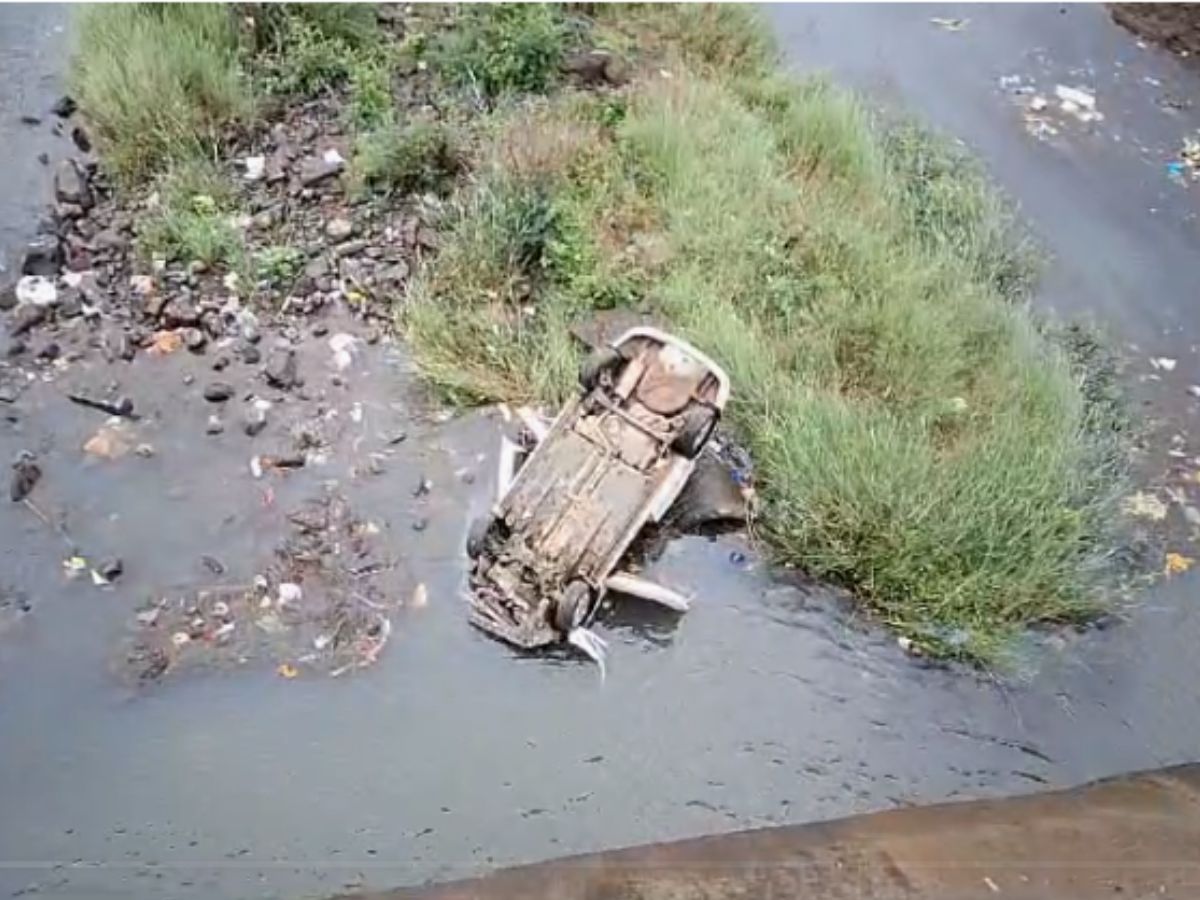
(614, 460)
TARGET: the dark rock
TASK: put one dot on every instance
(43, 256)
(374, 335)
(110, 569)
(212, 564)
(123, 345)
(218, 392)
(68, 212)
(64, 107)
(210, 321)
(320, 329)
(398, 437)
(81, 139)
(281, 369)
(315, 169)
(420, 524)
(70, 186)
(8, 296)
(16, 348)
(220, 363)
(194, 339)
(26, 474)
(49, 351)
(28, 119)
(251, 355)
(27, 317)
(179, 313)
(121, 406)
(594, 67)
(424, 487)
(44, 158)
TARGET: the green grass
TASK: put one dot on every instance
(916, 436)
(158, 83)
(191, 220)
(498, 49)
(422, 155)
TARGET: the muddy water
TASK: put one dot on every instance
(765, 704)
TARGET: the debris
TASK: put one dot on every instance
(1164, 363)
(145, 451)
(218, 392)
(289, 592)
(43, 256)
(344, 346)
(950, 24)
(36, 290)
(214, 425)
(74, 565)
(1177, 564)
(287, 670)
(213, 564)
(109, 442)
(180, 638)
(148, 617)
(122, 406)
(64, 107)
(1078, 102)
(1142, 505)
(1037, 103)
(255, 167)
(26, 474)
(420, 597)
(70, 185)
(27, 317)
(423, 488)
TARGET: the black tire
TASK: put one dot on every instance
(698, 425)
(573, 606)
(601, 362)
(477, 536)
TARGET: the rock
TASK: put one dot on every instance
(70, 186)
(397, 273)
(27, 317)
(281, 369)
(81, 140)
(108, 240)
(210, 321)
(214, 426)
(218, 392)
(194, 339)
(339, 229)
(254, 421)
(49, 351)
(30, 119)
(315, 169)
(350, 248)
(316, 268)
(70, 305)
(68, 212)
(123, 346)
(110, 568)
(15, 349)
(26, 474)
(8, 296)
(36, 290)
(64, 107)
(419, 525)
(320, 329)
(152, 305)
(43, 257)
(143, 285)
(44, 158)
(180, 313)
(220, 363)
(594, 67)
(251, 355)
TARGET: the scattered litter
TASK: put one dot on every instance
(36, 290)
(356, 413)
(344, 346)
(255, 167)
(1143, 505)
(1176, 169)
(1078, 102)
(148, 617)
(110, 568)
(332, 157)
(224, 631)
(145, 451)
(992, 886)
(122, 406)
(287, 670)
(289, 592)
(180, 638)
(110, 442)
(1163, 363)
(98, 579)
(164, 342)
(74, 566)
(593, 646)
(321, 641)
(420, 597)
(950, 24)
(1037, 103)
(1177, 564)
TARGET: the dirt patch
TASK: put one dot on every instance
(1174, 26)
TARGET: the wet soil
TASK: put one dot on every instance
(1175, 26)
(228, 775)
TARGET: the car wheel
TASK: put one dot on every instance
(697, 428)
(599, 363)
(477, 536)
(572, 607)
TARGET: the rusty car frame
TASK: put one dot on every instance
(614, 460)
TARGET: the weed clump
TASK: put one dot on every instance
(505, 48)
(422, 156)
(191, 220)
